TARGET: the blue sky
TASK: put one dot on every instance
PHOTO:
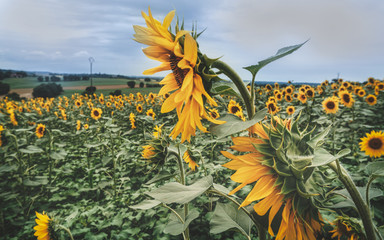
(346, 36)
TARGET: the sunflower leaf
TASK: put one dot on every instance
(280, 53)
(314, 142)
(146, 204)
(175, 226)
(229, 216)
(234, 124)
(323, 157)
(175, 192)
(376, 169)
(225, 88)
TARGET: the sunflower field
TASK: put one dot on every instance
(207, 157)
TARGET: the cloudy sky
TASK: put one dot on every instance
(346, 36)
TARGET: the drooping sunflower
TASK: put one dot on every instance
(346, 98)
(96, 113)
(151, 113)
(277, 190)
(373, 144)
(148, 152)
(44, 228)
(188, 159)
(40, 129)
(158, 131)
(178, 53)
(348, 228)
(214, 113)
(290, 110)
(330, 105)
(132, 120)
(371, 99)
(78, 125)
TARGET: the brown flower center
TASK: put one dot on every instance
(371, 99)
(96, 113)
(375, 143)
(272, 107)
(177, 72)
(330, 105)
(40, 130)
(234, 109)
(346, 98)
(213, 115)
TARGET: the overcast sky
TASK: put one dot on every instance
(346, 36)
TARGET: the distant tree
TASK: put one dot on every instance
(47, 79)
(116, 92)
(131, 84)
(141, 84)
(47, 90)
(55, 79)
(2, 76)
(85, 78)
(40, 79)
(147, 79)
(4, 88)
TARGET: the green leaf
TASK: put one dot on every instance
(225, 88)
(175, 226)
(7, 168)
(280, 53)
(376, 169)
(374, 192)
(234, 124)
(146, 204)
(35, 181)
(32, 149)
(314, 142)
(175, 192)
(163, 175)
(229, 216)
(323, 157)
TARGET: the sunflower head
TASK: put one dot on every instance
(331, 105)
(155, 152)
(373, 144)
(96, 113)
(190, 159)
(139, 108)
(151, 113)
(290, 110)
(346, 98)
(272, 107)
(344, 226)
(214, 113)
(371, 99)
(234, 107)
(278, 161)
(40, 130)
(46, 228)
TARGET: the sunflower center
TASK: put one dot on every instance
(234, 109)
(330, 105)
(375, 143)
(96, 113)
(272, 107)
(346, 98)
(177, 72)
(371, 99)
(40, 130)
(213, 115)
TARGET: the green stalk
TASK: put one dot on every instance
(67, 230)
(361, 206)
(229, 72)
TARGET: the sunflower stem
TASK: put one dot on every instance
(229, 72)
(67, 230)
(361, 206)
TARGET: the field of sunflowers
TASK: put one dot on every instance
(204, 158)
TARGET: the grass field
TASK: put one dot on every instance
(31, 82)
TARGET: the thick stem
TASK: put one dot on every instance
(229, 72)
(67, 230)
(361, 206)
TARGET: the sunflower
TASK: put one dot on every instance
(86, 126)
(78, 103)
(40, 129)
(101, 99)
(139, 108)
(380, 86)
(289, 90)
(310, 92)
(272, 107)
(188, 159)
(330, 105)
(158, 131)
(132, 120)
(302, 97)
(78, 125)
(214, 113)
(44, 228)
(346, 227)
(151, 113)
(108, 104)
(96, 113)
(178, 53)
(271, 176)
(290, 110)
(268, 87)
(371, 99)
(346, 98)
(373, 144)
(361, 93)
(371, 80)
(148, 152)
(346, 85)
(288, 98)
(279, 96)
(234, 107)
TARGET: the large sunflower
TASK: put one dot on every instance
(177, 53)
(277, 189)
(373, 144)
(40, 129)
(331, 105)
(43, 228)
(96, 113)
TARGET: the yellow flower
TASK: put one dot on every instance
(139, 108)
(234, 107)
(148, 152)
(270, 186)
(290, 110)
(151, 113)
(96, 113)
(177, 53)
(78, 125)
(78, 103)
(346, 227)
(302, 97)
(371, 99)
(43, 227)
(288, 98)
(86, 126)
(346, 98)
(188, 159)
(132, 120)
(272, 107)
(214, 113)
(157, 132)
(40, 129)
(330, 105)
(373, 144)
